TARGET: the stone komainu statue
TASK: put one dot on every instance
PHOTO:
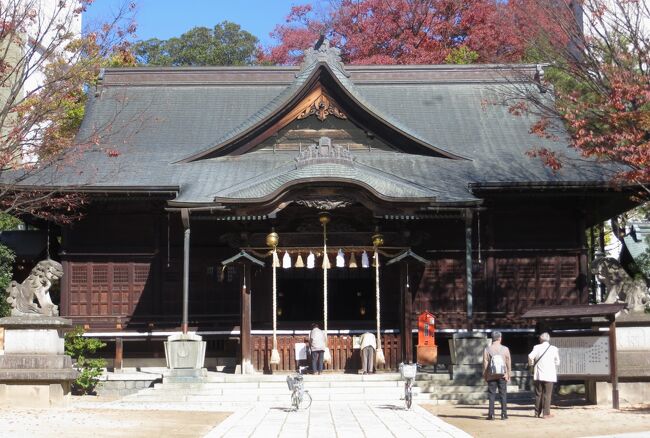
(620, 286)
(36, 286)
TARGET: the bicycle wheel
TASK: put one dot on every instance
(305, 402)
(408, 394)
(295, 401)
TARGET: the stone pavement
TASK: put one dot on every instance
(337, 420)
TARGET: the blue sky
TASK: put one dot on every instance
(167, 18)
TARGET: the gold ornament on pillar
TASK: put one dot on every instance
(272, 241)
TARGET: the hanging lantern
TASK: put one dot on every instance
(286, 260)
(353, 262)
(276, 259)
(299, 262)
(340, 259)
(311, 260)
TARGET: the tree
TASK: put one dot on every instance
(46, 64)
(599, 77)
(225, 44)
(403, 32)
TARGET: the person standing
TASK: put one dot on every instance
(317, 344)
(545, 358)
(368, 345)
(496, 372)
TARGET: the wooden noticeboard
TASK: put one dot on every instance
(583, 355)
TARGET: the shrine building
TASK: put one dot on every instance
(391, 190)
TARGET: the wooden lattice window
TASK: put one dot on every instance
(120, 274)
(79, 274)
(140, 273)
(100, 275)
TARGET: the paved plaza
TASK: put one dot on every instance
(340, 420)
(322, 419)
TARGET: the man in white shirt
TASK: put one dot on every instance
(368, 345)
(317, 344)
(545, 358)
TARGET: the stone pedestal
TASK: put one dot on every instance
(427, 354)
(467, 356)
(34, 370)
(185, 354)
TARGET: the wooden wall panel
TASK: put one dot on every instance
(106, 288)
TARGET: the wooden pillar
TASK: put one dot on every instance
(468, 268)
(64, 307)
(592, 254)
(583, 273)
(601, 246)
(119, 354)
(490, 280)
(185, 215)
(245, 327)
(613, 365)
(406, 304)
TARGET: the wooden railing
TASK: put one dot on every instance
(344, 356)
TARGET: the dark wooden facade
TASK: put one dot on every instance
(134, 284)
(409, 151)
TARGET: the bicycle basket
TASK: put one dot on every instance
(292, 381)
(408, 371)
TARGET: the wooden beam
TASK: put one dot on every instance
(613, 363)
(468, 268)
(583, 262)
(119, 354)
(245, 342)
(406, 304)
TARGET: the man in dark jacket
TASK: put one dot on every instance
(496, 371)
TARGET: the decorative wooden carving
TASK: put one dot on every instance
(325, 203)
(324, 152)
(321, 107)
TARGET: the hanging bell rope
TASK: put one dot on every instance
(377, 241)
(275, 355)
(381, 360)
(272, 240)
(324, 219)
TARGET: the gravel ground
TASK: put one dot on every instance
(567, 422)
(95, 418)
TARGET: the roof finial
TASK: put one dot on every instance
(323, 52)
(319, 42)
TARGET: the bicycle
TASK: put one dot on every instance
(300, 397)
(408, 372)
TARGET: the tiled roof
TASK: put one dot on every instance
(151, 120)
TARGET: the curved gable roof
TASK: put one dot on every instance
(321, 68)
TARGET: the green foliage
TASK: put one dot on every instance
(79, 348)
(7, 258)
(225, 44)
(461, 55)
(8, 222)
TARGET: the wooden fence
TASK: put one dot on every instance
(344, 356)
